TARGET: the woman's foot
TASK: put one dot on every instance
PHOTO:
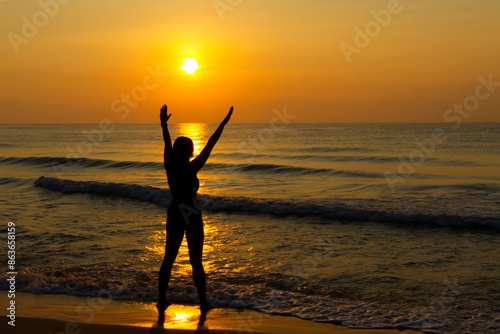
(161, 306)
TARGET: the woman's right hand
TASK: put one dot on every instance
(228, 117)
(164, 116)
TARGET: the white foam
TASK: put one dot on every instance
(120, 284)
(242, 204)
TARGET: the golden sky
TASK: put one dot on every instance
(79, 61)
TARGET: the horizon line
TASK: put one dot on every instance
(85, 123)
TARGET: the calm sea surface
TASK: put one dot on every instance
(368, 225)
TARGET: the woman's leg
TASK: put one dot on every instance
(174, 240)
(195, 236)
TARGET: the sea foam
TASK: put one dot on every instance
(336, 211)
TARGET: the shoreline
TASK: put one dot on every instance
(61, 314)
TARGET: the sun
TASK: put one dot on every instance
(190, 65)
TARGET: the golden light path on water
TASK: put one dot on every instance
(182, 266)
(196, 131)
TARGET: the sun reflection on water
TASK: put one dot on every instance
(155, 249)
(177, 316)
(197, 132)
(182, 316)
(157, 243)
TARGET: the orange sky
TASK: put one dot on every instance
(89, 60)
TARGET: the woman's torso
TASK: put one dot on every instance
(183, 183)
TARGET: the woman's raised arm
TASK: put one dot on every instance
(164, 116)
(200, 160)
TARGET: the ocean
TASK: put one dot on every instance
(364, 225)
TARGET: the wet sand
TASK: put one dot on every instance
(58, 314)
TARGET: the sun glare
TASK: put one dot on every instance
(190, 65)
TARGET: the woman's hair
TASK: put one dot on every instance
(182, 150)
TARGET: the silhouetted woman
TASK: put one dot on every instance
(183, 213)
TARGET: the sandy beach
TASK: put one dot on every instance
(68, 314)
